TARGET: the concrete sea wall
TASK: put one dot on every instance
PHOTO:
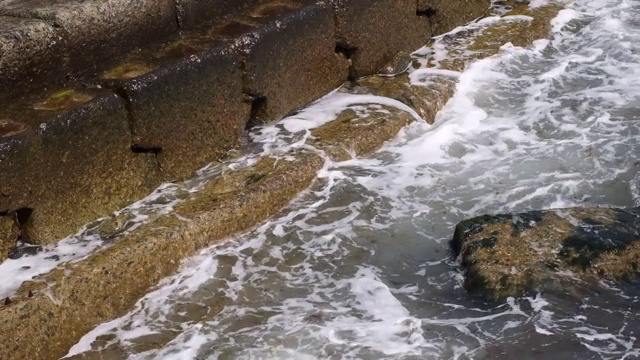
(103, 101)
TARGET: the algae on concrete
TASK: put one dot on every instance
(63, 100)
(128, 71)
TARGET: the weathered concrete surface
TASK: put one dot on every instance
(70, 164)
(94, 32)
(370, 33)
(38, 328)
(188, 113)
(517, 254)
(30, 52)
(292, 61)
(445, 15)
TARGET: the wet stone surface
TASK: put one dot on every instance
(518, 254)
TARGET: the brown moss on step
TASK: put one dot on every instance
(274, 8)
(467, 46)
(118, 276)
(360, 133)
(11, 128)
(185, 46)
(351, 134)
(426, 99)
(518, 32)
(233, 28)
(620, 265)
(63, 100)
(128, 71)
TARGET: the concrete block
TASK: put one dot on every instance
(94, 32)
(291, 61)
(372, 32)
(446, 15)
(31, 55)
(190, 112)
(61, 168)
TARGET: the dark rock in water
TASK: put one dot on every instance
(553, 250)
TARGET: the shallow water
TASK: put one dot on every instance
(358, 266)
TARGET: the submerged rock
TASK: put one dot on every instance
(517, 254)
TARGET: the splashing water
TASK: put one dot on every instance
(357, 267)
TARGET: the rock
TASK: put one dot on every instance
(9, 233)
(553, 250)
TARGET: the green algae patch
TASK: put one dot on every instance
(128, 71)
(63, 100)
(518, 254)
